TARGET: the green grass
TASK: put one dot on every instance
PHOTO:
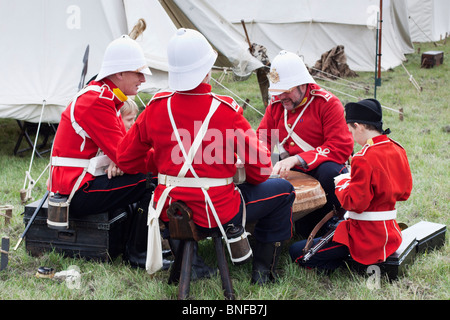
(422, 132)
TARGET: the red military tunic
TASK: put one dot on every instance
(380, 176)
(214, 159)
(98, 114)
(322, 126)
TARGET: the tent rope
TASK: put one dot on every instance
(411, 79)
(357, 85)
(143, 104)
(328, 88)
(431, 40)
(25, 193)
(234, 94)
(351, 85)
(331, 89)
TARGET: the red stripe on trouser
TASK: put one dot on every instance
(275, 196)
(118, 188)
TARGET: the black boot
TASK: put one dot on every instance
(199, 270)
(265, 260)
(136, 242)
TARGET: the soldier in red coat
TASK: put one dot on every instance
(380, 176)
(88, 134)
(307, 126)
(197, 138)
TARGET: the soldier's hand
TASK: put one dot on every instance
(283, 167)
(113, 171)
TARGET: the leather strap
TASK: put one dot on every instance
(313, 233)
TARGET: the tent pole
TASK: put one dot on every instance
(379, 41)
(376, 62)
(378, 51)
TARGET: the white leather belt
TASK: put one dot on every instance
(193, 182)
(373, 215)
(95, 166)
(70, 162)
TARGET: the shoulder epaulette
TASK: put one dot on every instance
(321, 93)
(362, 152)
(393, 141)
(162, 95)
(228, 101)
(275, 99)
(106, 93)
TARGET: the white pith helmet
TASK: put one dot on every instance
(287, 71)
(190, 58)
(123, 54)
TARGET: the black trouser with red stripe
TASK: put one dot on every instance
(103, 194)
(269, 204)
(129, 192)
(331, 256)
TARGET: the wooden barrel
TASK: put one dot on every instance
(309, 194)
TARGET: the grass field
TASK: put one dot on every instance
(424, 132)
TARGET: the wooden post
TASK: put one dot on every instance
(261, 73)
(186, 266)
(227, 286)
(4, 253)
(7, 214)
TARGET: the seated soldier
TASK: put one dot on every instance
(309, 126)
(200, 173)
(380, 176)
(91, 125)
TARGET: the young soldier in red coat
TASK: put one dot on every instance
(91, 125)
(307, 125)
(196, 137)
(380, 176)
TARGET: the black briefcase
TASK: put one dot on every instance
(98, 237)
(418, 238)
(429, 235)
(398, 262)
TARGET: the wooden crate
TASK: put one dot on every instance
(432, 58)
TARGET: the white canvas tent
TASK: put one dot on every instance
(312, 27)
(45, 41)
(204, 17)
(429, 20)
